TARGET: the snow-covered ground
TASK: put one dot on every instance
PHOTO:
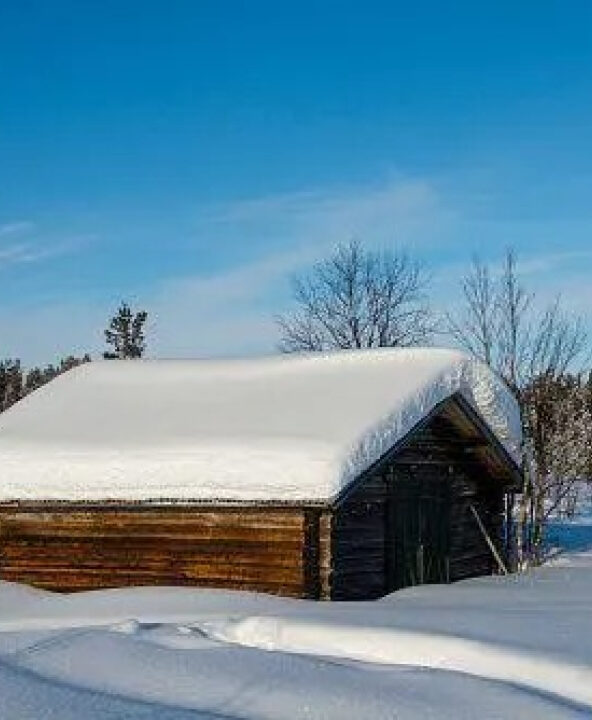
(516, 647)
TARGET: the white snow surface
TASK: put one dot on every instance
(277, 428)
(498, 647)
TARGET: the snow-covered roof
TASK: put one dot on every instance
(295, 427)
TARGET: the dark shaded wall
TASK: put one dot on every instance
(411, 521)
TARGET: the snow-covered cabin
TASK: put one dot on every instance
(337, 475)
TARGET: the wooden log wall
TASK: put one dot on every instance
(441, 452)
(364, 554)
(470, 555)
(64, 549)
(358, 569)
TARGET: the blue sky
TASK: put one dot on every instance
(190, 156)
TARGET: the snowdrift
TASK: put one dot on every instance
(497, 647)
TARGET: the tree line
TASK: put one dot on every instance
(361, 298)
(124, 337)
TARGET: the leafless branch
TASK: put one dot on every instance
(358, 299)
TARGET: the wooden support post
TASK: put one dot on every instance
(509, 549)
(311, 555)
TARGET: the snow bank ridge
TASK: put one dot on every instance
(392, 646)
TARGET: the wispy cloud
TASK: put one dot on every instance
(394, 212)
(35, 251)
(232, 311)
(543, 263)
(16, 228)
(226, 313)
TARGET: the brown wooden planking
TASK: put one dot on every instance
(62, 549)
(140, 519)
(260, 514)
(97, 552)
(166, 523)
(202, 572)
(195, 534)
(65, 582)
(163, 559)
(60, 580)
(184, 545)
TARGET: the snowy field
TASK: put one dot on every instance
(517, 647)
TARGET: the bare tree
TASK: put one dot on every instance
(533, 352)
(499, 325)
(476, 328)
(358, 299)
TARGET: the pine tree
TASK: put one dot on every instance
(38, 376)
(71, 361)
(11, 383)
(126, 334)
(15, 384)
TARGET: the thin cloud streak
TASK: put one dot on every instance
(16, 228)
(227, 313)
(29, 252)
(394, 212)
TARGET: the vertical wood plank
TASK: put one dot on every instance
(325, 555)
(310, 554)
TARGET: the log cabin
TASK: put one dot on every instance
(340, 476)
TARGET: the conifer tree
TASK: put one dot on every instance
(11, 383)
(126, 334)
(15, 383)
(38, 376)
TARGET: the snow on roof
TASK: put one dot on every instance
(283, 428)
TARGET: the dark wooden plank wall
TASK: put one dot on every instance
(358, 539)
(261, 549)
(362, 537)
(470, 555)
(440, 451)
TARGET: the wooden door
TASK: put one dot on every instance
(419, 524)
